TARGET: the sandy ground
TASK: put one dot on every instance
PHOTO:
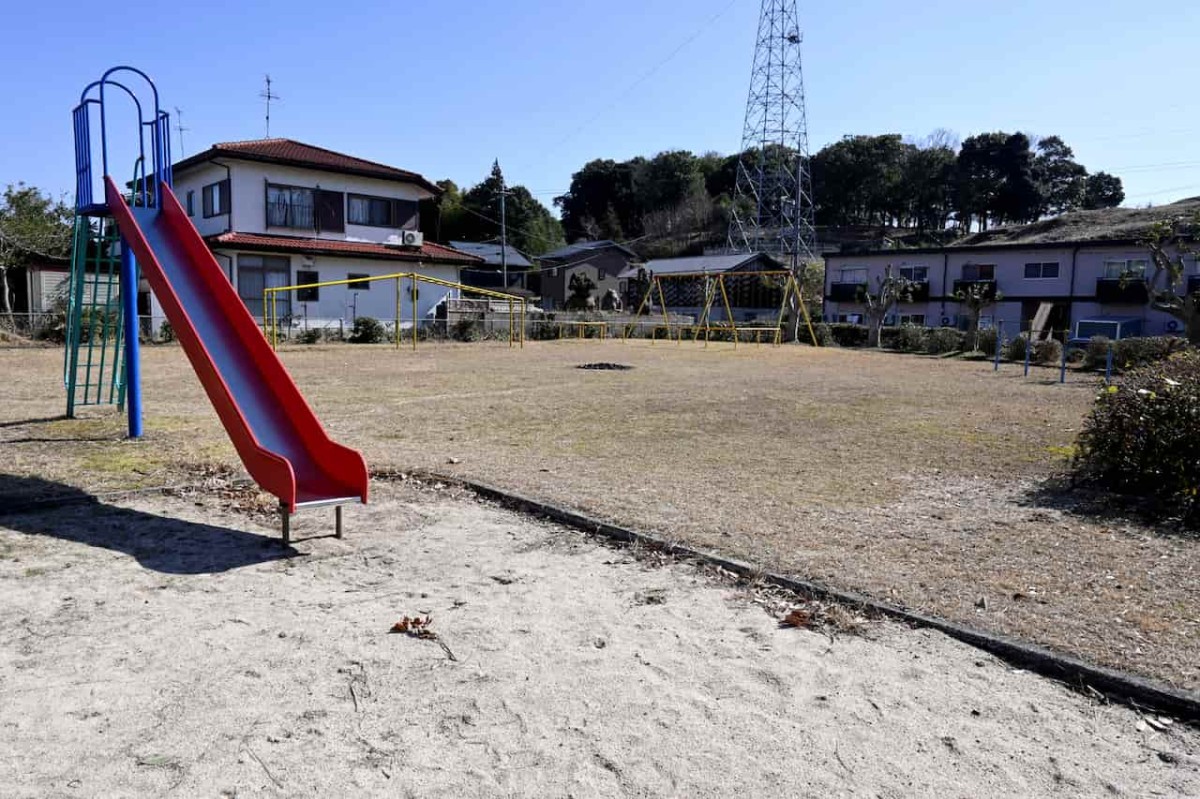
(165, 648)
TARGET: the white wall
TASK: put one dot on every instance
(346, 302)
(195, 180)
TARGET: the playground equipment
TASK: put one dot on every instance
(516, 305)
(279, 439)
(769, 291)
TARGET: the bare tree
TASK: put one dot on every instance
(976, 298)
(890, 289)
(1170, 242)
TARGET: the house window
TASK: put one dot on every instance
(917, 319)
(917, 274)
(849, 318)
(979, 272)
(256, 274)
(364, 286)
(290, 206)
(374, 211)
(856, 274)
(307, 295)
(191, 203)
(215, 198)
(601, 273)
(1125, 269)
(1042, 271)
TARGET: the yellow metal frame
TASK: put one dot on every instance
(712, 290)
(516, 305)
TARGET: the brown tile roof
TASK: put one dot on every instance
(434, 253)
(293, 153)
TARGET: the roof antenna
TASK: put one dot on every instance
(269, 96)
(180, 129)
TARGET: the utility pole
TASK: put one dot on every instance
(179, 128)
(503, 229)
(268, 95)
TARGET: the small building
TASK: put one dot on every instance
(490, 274)
(1049, 275)
(278, 212)
(599, 261)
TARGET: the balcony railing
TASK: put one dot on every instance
(1122, 291)
(965, 286)
(846, 292)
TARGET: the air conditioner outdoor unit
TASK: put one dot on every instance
(412, 238)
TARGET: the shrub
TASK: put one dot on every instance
(367, 330)
(985, 340)
(845, 335)
(911, 338)
(941, 340)
(166, 333)
(1015, 348)
(821, 331)
(1046, 351)
(888, 338)
(310, 336)
(467, 330)
(1131, 352)
(1140, 435)
(1095, 354)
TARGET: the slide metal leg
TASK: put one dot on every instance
(338, 516)
(286, 518)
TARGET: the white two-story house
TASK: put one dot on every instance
(278, 212)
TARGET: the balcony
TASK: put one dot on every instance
(1122, 291)
(846, 292)
(989, 287)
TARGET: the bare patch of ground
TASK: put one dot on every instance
(166, 645)
(913, 479)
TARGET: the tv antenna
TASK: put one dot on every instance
(180, 129)
(268, 95)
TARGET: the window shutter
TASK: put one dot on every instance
(225, 197)
(206, 200)
(331, 210)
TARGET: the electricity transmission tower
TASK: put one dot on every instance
(773, 205)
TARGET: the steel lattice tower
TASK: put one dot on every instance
(773, 206)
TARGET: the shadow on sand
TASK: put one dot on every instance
(34, 506)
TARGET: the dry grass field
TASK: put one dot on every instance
(913, 479)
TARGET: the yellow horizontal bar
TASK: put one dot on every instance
(399, 275)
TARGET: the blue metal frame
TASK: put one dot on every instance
(145, 193)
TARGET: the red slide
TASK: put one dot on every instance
(276, 433)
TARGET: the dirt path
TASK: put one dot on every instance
(164, 647)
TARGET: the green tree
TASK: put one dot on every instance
(475, 215)
(1170, 243)
(994, 181)
(32, 226)
(1060, 179)
(1103, 190)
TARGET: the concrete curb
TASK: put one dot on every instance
(1079, 674)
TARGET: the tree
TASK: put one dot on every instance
(890, 289)
(1171, 241)
(475, 215)
(1103, 190)
(994, 180)
(602, 200)
(581, 287)
(1060, 180)
(32, 225)
(976, 298)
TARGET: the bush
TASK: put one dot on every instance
(1140, 435)
(310, 336)
(1047, 351)
(1015, 348)
(467, 330)
(845, 335)
(822, 332)
(367, 330)
(985, 340)
(941, 340)
(912, 338)
(166, 333)
(1095, 355)
(1131, 352)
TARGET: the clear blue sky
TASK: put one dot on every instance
(443, 88)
